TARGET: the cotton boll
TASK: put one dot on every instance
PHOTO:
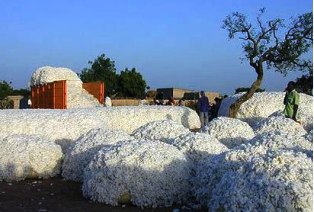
(28, 156)
(82, 151)
(231, 132)
(198, 146)
(165, 131)
(279, 123)
(148, 173)
(280, 180)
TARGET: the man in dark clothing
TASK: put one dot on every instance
(203, 107)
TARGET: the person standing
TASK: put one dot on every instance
(291, 101)
(203, 108)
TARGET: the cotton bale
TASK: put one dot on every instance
(28, 156)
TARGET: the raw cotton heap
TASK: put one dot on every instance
(130, 118)
(260, 177)
(77, 97)
(281, 124)
(231, 132)
(263, 104)
(147, 173)
(198, 146)
(25, 156)
(160, 130)
(61, 126)
(82, 151)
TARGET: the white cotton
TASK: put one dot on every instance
(28, 156)
(231, 132)
(165, 131)
(198, 146)
(82, 151)
(149, 174)
(277, 181)
(130, 118)
(279, 123)
(211, 173)
(309, 136)
(49, 74)
(77, 97)
(61, 126)
(263, 104)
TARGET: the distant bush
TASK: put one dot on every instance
(6, 104)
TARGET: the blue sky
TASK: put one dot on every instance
(172, 43)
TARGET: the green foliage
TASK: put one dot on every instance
(102, 69)
(22, 92)
(6, 104)
(5, 89)
(131, 84)
(240, 90)
(304, 84)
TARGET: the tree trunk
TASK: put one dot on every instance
(234, 108)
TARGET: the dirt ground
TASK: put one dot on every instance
(55, 194)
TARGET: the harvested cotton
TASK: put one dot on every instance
(130, 118)
(82, 151)
(277, 181)
(211, 172)
(198, 146)
(279, 123)
(49, 74)
(231, 132)
(28, 156)
(309, 136)
(61, 126)
(284, 140)
(263, 104)
(149, 174)
(165, 131)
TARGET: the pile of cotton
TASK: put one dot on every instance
(165, 131)
(49, 74)
(28, 156)
(263, 104)
(281, 124)
(82, 151)
(284, 140)
(309, 136)
(280, 180)
(147, 173)
(130, 118)
(77, 97)
(198, 146)
(62, 126)
(267, 176)
(231, 132)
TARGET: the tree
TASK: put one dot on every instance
(5, 89)
(304, 84)
(272, 44)
(240, 90)
(131, 84)
(102, 69)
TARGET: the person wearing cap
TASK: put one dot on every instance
(291, 101)
(203, 107)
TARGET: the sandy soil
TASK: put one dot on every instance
(54, 194)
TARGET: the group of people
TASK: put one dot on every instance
(208, 111)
